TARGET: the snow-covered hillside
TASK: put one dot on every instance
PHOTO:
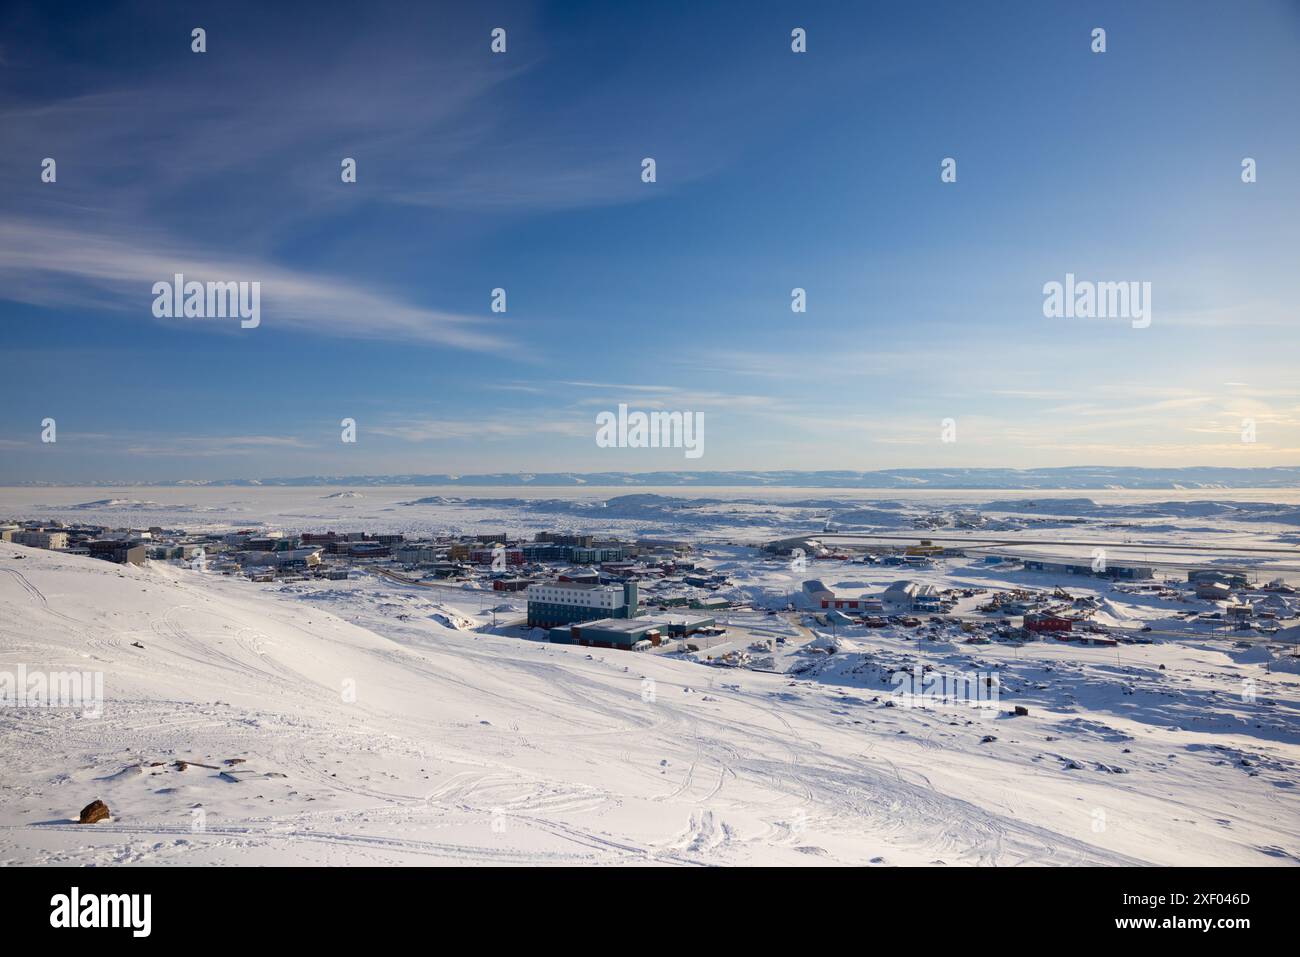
(365, 730)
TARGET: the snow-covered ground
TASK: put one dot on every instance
(364, 721)
(375, 725)
(1231, 517)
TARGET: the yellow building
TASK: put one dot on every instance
(927, 548)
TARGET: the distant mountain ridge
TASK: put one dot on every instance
(1069, 477)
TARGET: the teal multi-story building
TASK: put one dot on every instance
(596, 554)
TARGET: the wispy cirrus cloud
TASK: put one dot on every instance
(502, 426)
(209, 446)
(39, 261)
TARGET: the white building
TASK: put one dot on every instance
(41, 539)
(559, 603)
(814, 593)
(304, 557)
(416, 553)
(909, 593)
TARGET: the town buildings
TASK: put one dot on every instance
(40, 538)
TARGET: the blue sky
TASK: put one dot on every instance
(522, 170)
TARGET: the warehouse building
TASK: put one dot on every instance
(1229, 576)
(814, 593)
(915, 595)
(1106, 571)
(860, 605)
(679, 626)
(608, 633)
(927, 549)
(563, 603)
(789, 546)
(1045, 621)
(511, 584)
(1213, 590)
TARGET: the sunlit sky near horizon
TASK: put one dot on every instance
(522, 170)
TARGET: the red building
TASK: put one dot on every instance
(854, 604)
(511, 584)
(484, 556)
(1048, 623)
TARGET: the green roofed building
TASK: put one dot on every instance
(622, 633)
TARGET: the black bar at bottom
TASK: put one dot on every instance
(248, 907)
